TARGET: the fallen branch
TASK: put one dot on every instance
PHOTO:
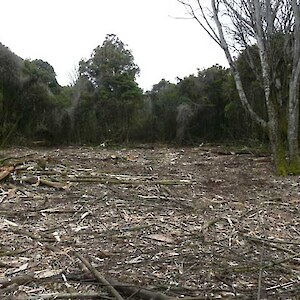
(40, 181)
(129, 181)
(19, 280)
(138, 291)
(129, 291)
(15, 158)
(67, 296)
(281, 261)
(261, 240)
(97, 274)
(13, 253)
(32, 235)
(58, 211)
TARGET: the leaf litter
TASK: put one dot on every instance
(147, 223)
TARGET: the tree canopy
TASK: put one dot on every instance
(110, 90)
(105, 105)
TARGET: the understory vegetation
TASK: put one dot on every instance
(105, 105)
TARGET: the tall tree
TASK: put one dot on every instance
(46, 74)
(274, 27)
(109, 61)
(111, 71)
(10, 85)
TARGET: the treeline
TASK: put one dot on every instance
(104, 104)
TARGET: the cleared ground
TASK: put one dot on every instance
(186, 222)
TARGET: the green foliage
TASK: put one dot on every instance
(106, 104)
(39, 71)
(108, 62)
(112, 94)
(294, 167)
(165, 100)
(10, 68)
(10, 85)
(63, 99)
(46, 74)
(31, 101)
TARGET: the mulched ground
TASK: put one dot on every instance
(157, 223)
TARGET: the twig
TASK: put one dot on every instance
(139, 292)
(31, 235)
(19, 280)
(260, 272)
(129, 181)
(280, 261)
(259, 239)
(13, 253)
(267, 242)
(67, 296)
(109, 287)
(284, 285)
(15, 158)
(36, 180)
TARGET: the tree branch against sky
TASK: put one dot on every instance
(272, 27)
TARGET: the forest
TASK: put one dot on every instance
(104, 104)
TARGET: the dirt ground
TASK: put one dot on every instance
(155, 222)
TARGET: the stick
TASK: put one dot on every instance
(19, 280)
(66, 296)
(97, 274)
(139, 292)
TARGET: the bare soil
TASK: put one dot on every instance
(198, 223)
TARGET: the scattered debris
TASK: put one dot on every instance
(147, 223)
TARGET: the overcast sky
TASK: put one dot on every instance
(62, 32)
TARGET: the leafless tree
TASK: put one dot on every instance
(237, 25)
(74, 75)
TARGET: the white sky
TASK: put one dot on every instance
(62, 32)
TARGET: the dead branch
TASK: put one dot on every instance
(68, 296)
(138, 291)
(19, 280)
(281, 261)
(56, 185)
(128, 290)
(40, 181)
(273, 241)
(12, 253)
(97, 274)
(128, 181)
(18, 158)
(22, 231)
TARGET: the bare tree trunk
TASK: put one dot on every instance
(237, 78)
(277, 140)
(274, 132)
(293, 128)
(293, 110)
(261, 22)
